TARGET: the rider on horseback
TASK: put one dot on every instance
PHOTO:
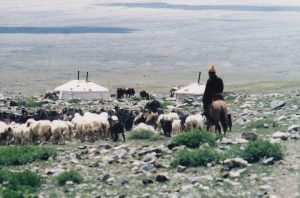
(213, 90)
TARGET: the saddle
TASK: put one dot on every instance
(217, 96)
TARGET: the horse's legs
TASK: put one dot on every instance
(217, 128)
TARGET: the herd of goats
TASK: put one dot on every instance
(104, 124)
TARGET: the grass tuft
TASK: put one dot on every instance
(164, 104)
(259, 149)
(73, 176)
(74, 101)
(194, 158)
(32, 103)
(19, 155)
(194, 139)
(19, 184)
(143, 135)
(260, 123)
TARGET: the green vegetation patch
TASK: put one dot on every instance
(261, 123)
(19, 155)
(136, 98)
(194, 139)
(194, 158)
(74, 101)
(72, 175)
(19, 184)
(259, 149)
(164, 104)
(144, 135)
(32, 103)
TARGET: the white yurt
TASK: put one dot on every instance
(82, 89)
(194, 90)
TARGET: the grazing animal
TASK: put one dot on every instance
(195, 121)
(143, 126)
(120, 93)
(144, 95)
(172, 91)
(166, 126)
(153, 106)
(116, 128)
(129, 92)
(176, 127)
(128, 123)
(5, 134)
(218, 113)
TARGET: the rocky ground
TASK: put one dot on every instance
(139, 168)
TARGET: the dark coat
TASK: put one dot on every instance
(214, 85)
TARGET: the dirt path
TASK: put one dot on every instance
(287, 182)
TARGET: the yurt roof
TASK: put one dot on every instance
(81, 86)
(192, 89)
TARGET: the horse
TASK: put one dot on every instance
(129, 92)
(144, 95)
(120, 93)
(218, 113)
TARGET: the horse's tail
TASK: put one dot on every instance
(223, 119)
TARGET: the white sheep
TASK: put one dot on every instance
(91, 125)
(143, 126)
(41, 130)
(70, 127)
(5, 133)
(17, 132)
(196, 121)
(176, 126)
(59, 130)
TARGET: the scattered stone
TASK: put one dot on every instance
(295, 136)
(148, 167)
(149, 157)
(277, 104)
(226, 141)
(206, 178)
(176, 148)
(105, 146)
(122, 181)
(235, 163)
(281, 118)
(265, 187)
(268, 161)
(236, 172)
(181, 169)
(82, 147)
(187, 188)
(69, 182)
(60, 149)
(281, 135)
(146, 195)
(107, 178)
(293, 128)
(189, 100)
(251, 136)
(241, 141)
(54, 171)
(232, 183)
(147, 181)
(74, 161)
(161, 178)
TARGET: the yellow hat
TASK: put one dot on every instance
(212, 69)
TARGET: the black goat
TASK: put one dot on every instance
(166, 126)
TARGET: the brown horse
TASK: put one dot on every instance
(218, 113)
